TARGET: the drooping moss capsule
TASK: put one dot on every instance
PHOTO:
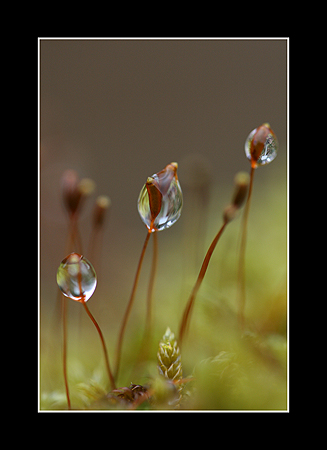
(160, 201)
(261, 146)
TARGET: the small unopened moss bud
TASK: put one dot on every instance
(242, 181)
(70, 194)
(102, 204)
(74, 191)
(229, 213)
(86, 187)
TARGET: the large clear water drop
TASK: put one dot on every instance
(261, 145)
(76, 277)
(166, 197)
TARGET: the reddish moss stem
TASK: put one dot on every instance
(154, 264)
(241, 264)
(111, 377)
(129, 306)
(145, 347)
(189, 306)
(64, 347)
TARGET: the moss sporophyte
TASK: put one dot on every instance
(160, 205)
(76, 278)
(261, 148)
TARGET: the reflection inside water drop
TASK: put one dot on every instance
(171, 204)
(76, 277)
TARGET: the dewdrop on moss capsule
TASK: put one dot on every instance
(76, 278)
(161, 200)
(159, 205)
(261, 146)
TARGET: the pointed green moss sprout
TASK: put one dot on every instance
(169, 362)
(241, 187)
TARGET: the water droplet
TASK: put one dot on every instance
(261, 145)
(76, 277)
(160, 201)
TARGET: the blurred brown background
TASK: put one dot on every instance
(118, 111)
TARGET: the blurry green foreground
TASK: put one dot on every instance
(224, 369)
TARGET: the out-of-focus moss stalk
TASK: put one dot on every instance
(230, 212)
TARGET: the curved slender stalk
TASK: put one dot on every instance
(111, 378)
(189, 306)
(241, 264)
(129, 306)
